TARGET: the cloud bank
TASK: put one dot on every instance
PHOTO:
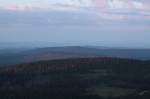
(107, 9)
(121, 22)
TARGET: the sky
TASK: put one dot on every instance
(123, 23)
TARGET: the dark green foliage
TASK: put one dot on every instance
(72, 79)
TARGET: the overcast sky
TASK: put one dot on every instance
(122, 23)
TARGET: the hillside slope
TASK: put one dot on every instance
(80, 78)
(32, 55)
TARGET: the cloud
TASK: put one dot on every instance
(64, 7)
(110, 16)
(138, 4)
(118, 4)
(123, 9)
(19, 7)
(67, 5)
(101, 4)
(109, 9)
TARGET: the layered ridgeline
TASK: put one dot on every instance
(11, 56)
(80, 78)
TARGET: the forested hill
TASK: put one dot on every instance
(80, 78)
(21, 55)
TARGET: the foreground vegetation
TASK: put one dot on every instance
(80, 78)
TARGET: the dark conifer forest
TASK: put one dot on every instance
(78, 78)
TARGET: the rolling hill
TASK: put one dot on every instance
(16, 56)
(79, 78)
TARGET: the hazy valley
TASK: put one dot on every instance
(25, 55)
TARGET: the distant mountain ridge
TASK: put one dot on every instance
(50, 53)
